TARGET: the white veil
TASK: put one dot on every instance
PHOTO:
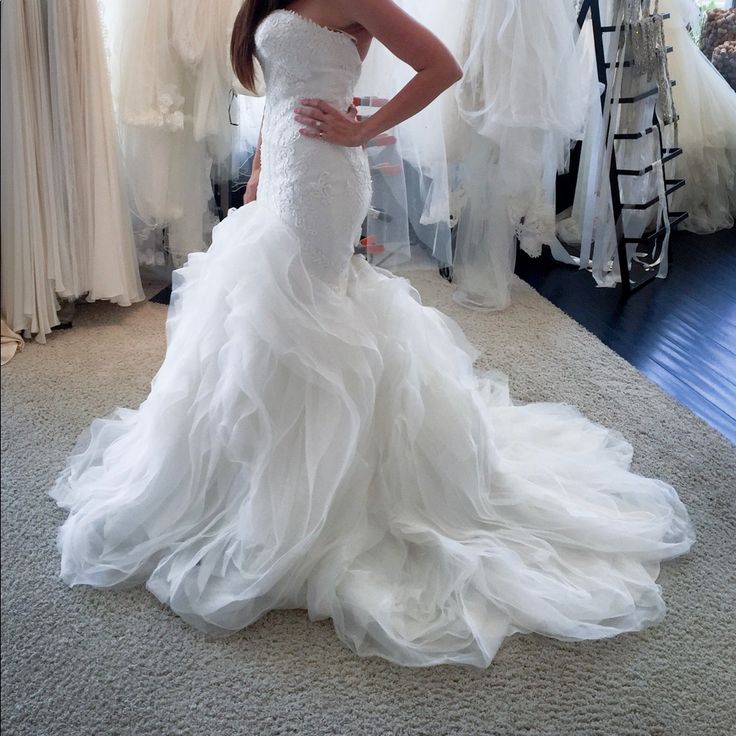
(522, 100)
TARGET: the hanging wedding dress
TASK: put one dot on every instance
(65, 222)
(591, 223)
(36, 257)
(409, 175)
(171, 94)
(318, 438)
(100, 235)
(10, 343)
(707, 128)
(201, 37)
(518, 126)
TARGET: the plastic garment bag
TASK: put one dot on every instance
(65, 226)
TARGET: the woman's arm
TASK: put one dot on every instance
(257, 157)
(251, 188)
(436, 67)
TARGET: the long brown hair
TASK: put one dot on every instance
(242, 42)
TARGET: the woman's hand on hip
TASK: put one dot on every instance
(321, 120)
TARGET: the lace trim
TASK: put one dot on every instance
(333, 31)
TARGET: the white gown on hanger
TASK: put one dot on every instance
(317, 438)
(163, 106)
(706, 105)
(100, 233)
(37, 266)
(65, 219)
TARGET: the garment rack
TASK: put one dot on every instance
(647, 259)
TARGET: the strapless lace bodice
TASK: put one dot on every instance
(320, 188)
(303, 59)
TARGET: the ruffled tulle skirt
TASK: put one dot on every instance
(337, 452)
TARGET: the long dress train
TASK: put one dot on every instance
(318, 438)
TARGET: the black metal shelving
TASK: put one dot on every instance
(646, 260)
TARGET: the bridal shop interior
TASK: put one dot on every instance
(570, 202)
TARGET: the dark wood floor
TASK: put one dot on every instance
(679, 331)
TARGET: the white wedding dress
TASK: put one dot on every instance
(706, 105)
(317, 438)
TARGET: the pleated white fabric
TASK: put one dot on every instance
(100, 232)
(318, 438)
(66, 229)
(36, 257)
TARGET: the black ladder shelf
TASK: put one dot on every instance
(647, 260)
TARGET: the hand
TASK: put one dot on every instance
(251, 189)
(321, 120)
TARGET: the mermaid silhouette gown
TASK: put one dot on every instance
(317, 438)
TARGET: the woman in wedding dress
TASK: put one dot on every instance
(317, 438)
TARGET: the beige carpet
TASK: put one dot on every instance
(100, 662)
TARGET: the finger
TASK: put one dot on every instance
(320, 105)
(311, 122)
(310, 133)
(311, 112)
